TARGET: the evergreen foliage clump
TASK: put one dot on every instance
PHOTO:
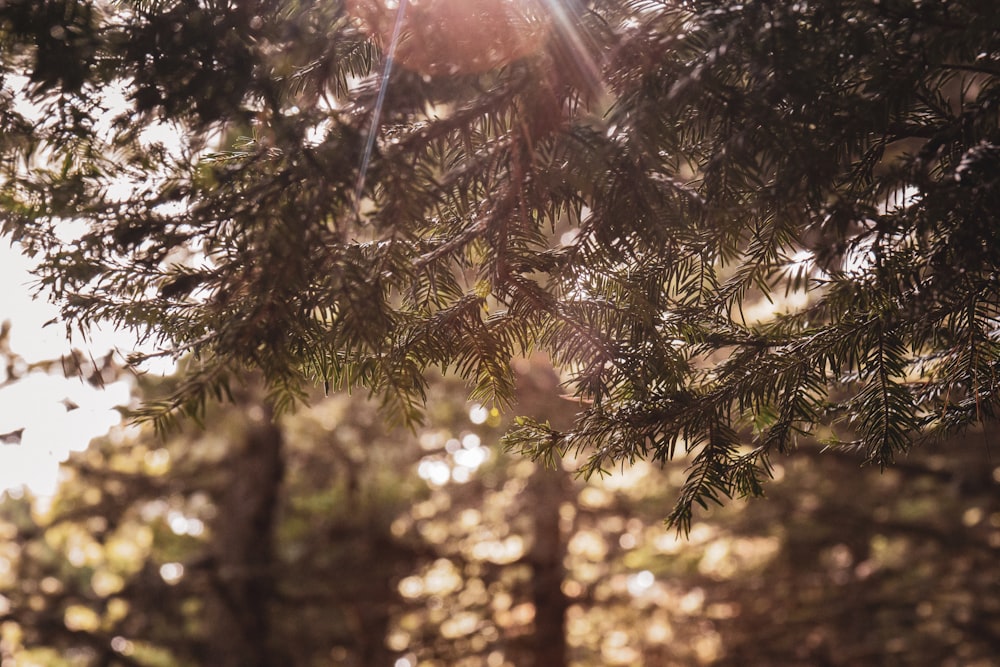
(256, 184)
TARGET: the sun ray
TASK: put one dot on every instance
(379, 102)
(576, 42)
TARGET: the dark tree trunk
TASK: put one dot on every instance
(539, 396)
(546, 492)
(237, 611)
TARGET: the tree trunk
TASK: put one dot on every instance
(539, 397)
(546, 492)
(237, 611)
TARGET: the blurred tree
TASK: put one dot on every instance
(615, 183)
(237, 545)
(329, 536)
(243, 566)
(870, 569)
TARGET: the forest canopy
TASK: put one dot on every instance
(348, 194)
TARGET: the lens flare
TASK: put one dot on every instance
(451, 37)
(447, 37)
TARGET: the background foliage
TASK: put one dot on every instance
(332, 537)
(251, 183)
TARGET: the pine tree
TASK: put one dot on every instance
(612, 182)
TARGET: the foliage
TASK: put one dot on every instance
(619, 197)
(159, 552)
(367, 563)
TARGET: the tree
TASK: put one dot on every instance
(143, 560)
(246, 542)
(614, 183)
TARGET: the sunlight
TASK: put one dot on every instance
(52, 415)
(580, 52)
(461, 458)
(452, 37)
(448, 37)
(640, 582)
(397, 25)
(55, 416)
(478, 414)
(122, 645)
(172, 573)
(182, 525)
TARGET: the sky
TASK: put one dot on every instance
(39, 402)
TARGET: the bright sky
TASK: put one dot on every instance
(38, 402)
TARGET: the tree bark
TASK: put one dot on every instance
(546, 492)
(237, 611)
(539, 396)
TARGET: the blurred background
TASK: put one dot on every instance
(330, 537)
